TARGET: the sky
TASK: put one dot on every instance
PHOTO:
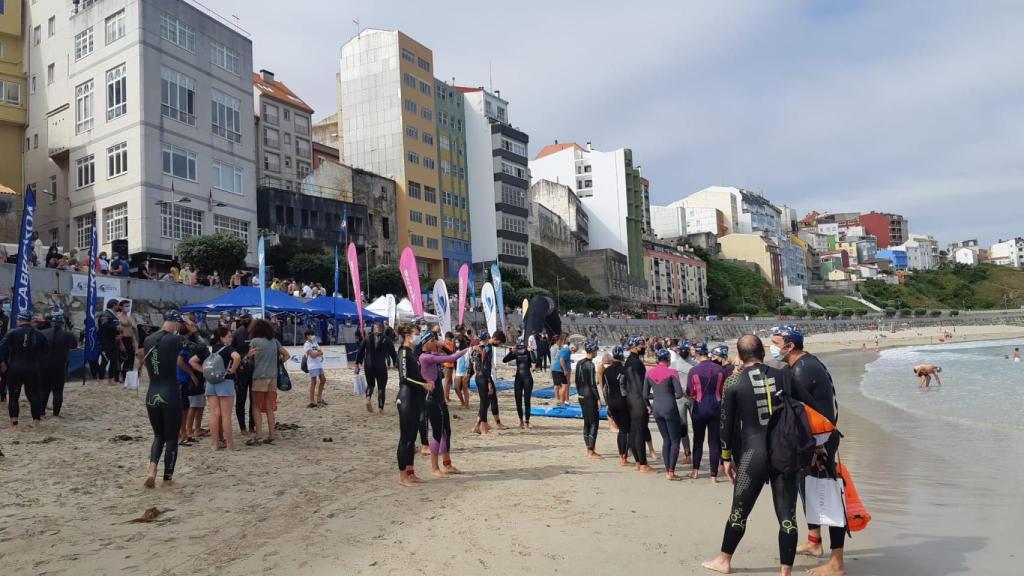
(913, 107)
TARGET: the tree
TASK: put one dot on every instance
(800, 312)
(223, 253)
(279, 255)
(750, 309)
(861, 312)
(935, 313)
(785, 311)
(688, 310)
(954, 313)
(598, 303)
(314, 268)
(920, 312)
(817, 312)
(572, 300)
(515, 278)
(846, 312)
(832, 312)
(386, 280)
(528, 294)
(890, 312)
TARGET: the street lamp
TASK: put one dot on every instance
(558, 292)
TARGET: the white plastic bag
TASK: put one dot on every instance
(824, 501)
(359, 385)
(131, 380)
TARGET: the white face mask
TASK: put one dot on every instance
(777, 354)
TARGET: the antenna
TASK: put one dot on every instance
(358, 28)
(490, 75)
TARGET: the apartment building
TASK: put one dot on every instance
(563, 202)
(674, 277)
(284, 145)
(453, 177)
(386, 114)
(139, 124)
(888, 229)
(12, 118)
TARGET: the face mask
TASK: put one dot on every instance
(777, 354)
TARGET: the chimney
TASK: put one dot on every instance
(556, 140)
(267, 75)
(497, 93)
(589, 147)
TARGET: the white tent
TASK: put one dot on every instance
(404, 308)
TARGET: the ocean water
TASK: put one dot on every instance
(979, 385)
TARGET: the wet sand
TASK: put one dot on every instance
(529, 502)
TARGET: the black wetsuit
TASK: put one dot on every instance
(24, 350)
(615, 395)
(663, 386)
(411, 397)
(586, 390)
(811, 375)
(483, 363)
(373, 355)
(243, 380)
(55, 371)
(639, 418)
(524, 379)
(108, 332)
(748, 406)
(163, 398)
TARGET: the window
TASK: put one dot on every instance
(37, 35)
(115, 223)
(50, 73)
(412, 132)
(416, 240)
(227, 177)
(83, 43)
(83, 230)
(302, 168)
(233, 226)
(428, 163)
(431, 220)
(227, 122)
(409, 106)
(302, 125)
(51, 26)
(426, 113)
(83, 107)
(414, 158)
(179, 222)
(302, 148)
(178, 96)
(423, 64)
(385, 227)
(270, 114)
(226, 58)
(270, 139)
(117, 92)
(1, 41)
(177, 32)
(432, 243)
(513, 147)
(52, 191)
(513, 196)
(286, 113)
(513, 224)
(430, 194)
(179, 163)
(86, 169)
(425, 88)
(271, 162)
(407, 55)
(416, 217)
(11, 92)
(32, 84)
(428, 138)
(409, 80)
(414, 189)
(115, 26)
(513, 170)
(442, 141)
(117, 160)
(446, 168)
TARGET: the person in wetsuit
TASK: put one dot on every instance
(704, 387)
(636, 400)
(524, 360)
(243, 379)
(720, 355)
(23, 351)
(374, 353)
(748, 406)
(591, 397)
(55, 371)
(811, 375)
(430, 359)
(663, 386)
(108, 331)
(412, 390)
(613, 380)
(482, 359)
(161, 355)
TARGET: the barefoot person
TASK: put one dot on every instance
(808, 373)
(462, 342)
(220, 396)
(483, 359)
(524, 360)
(374, 353)
(704, 387)
(161, 355)
(639, 416)
(662, 384)
(591, 397)
(264, 354)
(613, 380)
(560, 370)
(746, 409)
(315, 366)
(412, 390)
(925, 372)
(23, 351)
(437, 406)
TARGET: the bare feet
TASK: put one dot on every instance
(500, 426)
(687, 459)
(425, 450)
(150, 482)
(476, 429)
(646, 469)
(833, 567)
(168, 484)
(623, 461)
(407, 481)
(671, 475)
(369, 408)
(809, 548)
(522, 425)
(417, 479)
(714, 480)
(438, 474)
(452, 469)
(380, 412)
(593, 455)
(694, 474)
(721, 564)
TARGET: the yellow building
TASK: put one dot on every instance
(755, 249)
(12, 112)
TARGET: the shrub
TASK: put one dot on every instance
(599, 303)
(935, 313)
(847, 313)
(222, 253)
(313, 268)
(890, 312)
(786, 311)
(817, 312)
(832, 312)
(572, 300)
(750, 309)
(688, 310)
(905, 312)
(954, 312)
(920, 312)
(800, 312)
(861, 312)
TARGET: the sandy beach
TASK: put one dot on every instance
(528, 501)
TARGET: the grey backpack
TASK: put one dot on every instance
(214, 370)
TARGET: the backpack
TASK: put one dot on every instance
(304, 366)
(214, 370)
(790, 442)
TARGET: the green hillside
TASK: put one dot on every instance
(839, 303)
(734, 289)
(955, 287)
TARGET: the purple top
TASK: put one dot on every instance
(429, 362)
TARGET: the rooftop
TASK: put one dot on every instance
(276, 90)
(555, 148)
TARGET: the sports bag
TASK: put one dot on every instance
(790, 443)
(214, 370)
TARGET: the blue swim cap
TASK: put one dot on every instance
(722, 351)
(663, 355)
(634, 341)
(789, 333)
(701, 348)
(484, 335)
(590, 346)
(618, 353)
(173, 316)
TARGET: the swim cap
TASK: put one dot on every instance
(618, 353)
(590, 346)
(701, 348)
(484, 335)
(663, 355)
(173, 316)
(25, 315)
(56, 316)
(789, 333)
(634, 341)
(722, 351)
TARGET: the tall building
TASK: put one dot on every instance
(386, 114)
(610, 187)
(139, 123)
(758, 250)
(668, 221)
(725, 199)
(888, 229)
(453, 177)
(561, 200)
(12, 117)
(674, 277)
(284, 145)
(500, 180)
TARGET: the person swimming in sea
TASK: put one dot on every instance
(925, 372)
(1016, 354)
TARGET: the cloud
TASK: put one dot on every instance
(911, 107)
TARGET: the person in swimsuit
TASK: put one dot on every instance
(924, 372)
(662, 385)
(55, 372)
(462, 375)
(412, 390)
(437, 406)
(591, 397)
(161, 355)
(720, 355)
(524, 360)
(613, 380)
(23, 351)
(704, 387)
(639, 415)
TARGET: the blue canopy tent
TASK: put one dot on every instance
(340, 308)
(249, 297)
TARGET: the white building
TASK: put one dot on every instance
(1008, 253)
(922, 252)
(611, 189)
(703, 220)
(725, 199)
(668, 221)
(139, 117)
(965, 255)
